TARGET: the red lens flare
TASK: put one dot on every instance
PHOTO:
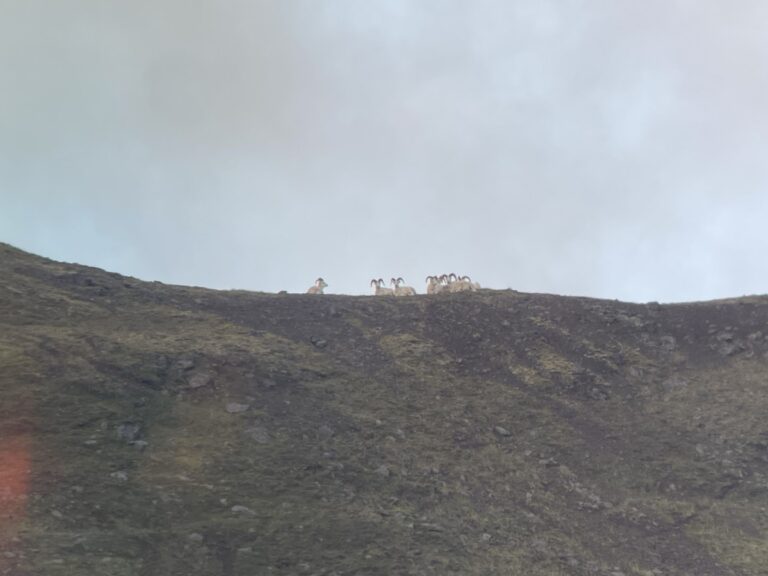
(14, 483)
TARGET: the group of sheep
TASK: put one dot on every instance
(450, 283)
(435, 285)
(397, 290)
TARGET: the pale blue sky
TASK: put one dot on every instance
(605, 148)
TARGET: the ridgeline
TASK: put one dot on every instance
(158, 430)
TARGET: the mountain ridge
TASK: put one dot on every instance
(180, 430)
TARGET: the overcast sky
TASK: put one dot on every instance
(606, 148)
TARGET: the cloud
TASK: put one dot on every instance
(599, 148)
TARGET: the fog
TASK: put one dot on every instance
(604, 148)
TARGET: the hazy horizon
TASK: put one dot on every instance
(595, 148)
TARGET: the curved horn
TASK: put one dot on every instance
(400, 280)
(374, 281)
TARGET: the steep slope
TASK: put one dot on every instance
(157, 430)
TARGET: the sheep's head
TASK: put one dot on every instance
(399, 281)
(320, 283)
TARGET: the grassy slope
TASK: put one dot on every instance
(484, 433)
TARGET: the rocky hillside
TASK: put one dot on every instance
(160, 430)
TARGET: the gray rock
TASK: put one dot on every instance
(668, 343)
(185, 363)
(485, 537)
(596, 393)
(725, 336)
(675, 382)
(431, 527)
(258, 434)
(238, 509)
(631, 320)
(140, 444)
(195, 537)
(200, 379)
(501, 431)
(236, 408)
(320, 343)
(570, 559)
(383, 470)
(636, 372)
(325, 431)
(731, 347)
(128, 431)
(121, 475)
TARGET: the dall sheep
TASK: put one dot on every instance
(455, 284)
(474, 286)
(434, 285)
(379, 289)
(402, 290)
(318, 287)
